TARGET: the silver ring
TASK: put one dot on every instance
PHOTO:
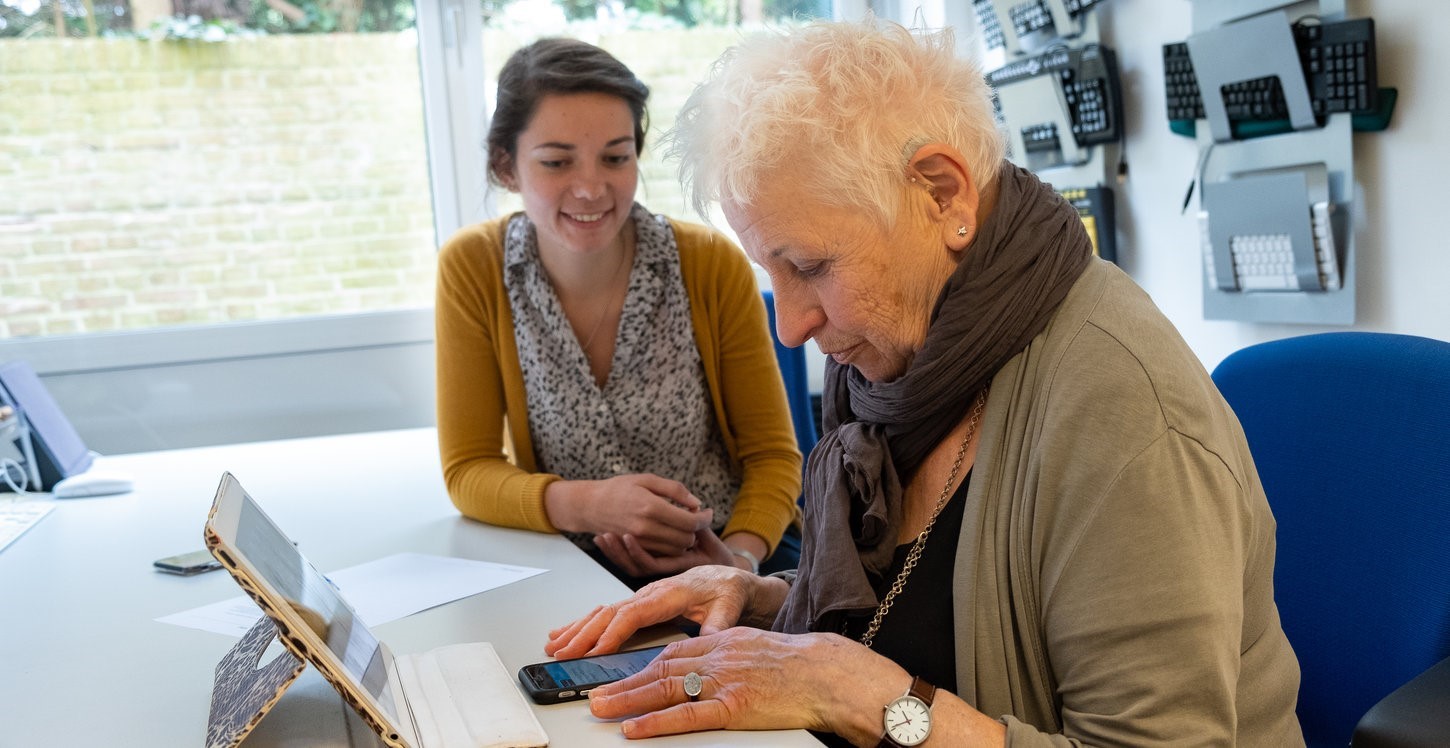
(693, 685)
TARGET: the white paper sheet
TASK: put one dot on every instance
(379, 591)
(18, 516)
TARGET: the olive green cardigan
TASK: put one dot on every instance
(1114, 576)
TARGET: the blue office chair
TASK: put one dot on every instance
(797, 384)
(1350, 432)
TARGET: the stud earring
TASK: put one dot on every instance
(961, 231)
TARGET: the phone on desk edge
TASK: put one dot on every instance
(571, 680)
(187, 564)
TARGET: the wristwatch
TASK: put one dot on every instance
(908, 719)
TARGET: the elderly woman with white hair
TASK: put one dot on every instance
(1032, 519)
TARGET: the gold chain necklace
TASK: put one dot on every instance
(914, 555)
(623, 260)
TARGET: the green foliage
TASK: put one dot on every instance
(36, 18)
(325, 17)
(686, 12)
(797, 9)
(239, 17)
(195, 29)
(14, 23)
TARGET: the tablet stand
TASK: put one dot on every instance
(242, 693)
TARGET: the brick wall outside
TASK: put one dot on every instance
(152, 184)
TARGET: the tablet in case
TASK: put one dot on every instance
(455, 696)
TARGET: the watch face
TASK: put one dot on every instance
(908, 720)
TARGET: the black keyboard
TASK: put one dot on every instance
(1036, 138)
(1338, 60)
(991, 27)
(1027, 18)
(1094, 119)
(1076, 8)
(1088, 78)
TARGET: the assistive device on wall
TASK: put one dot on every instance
(1272, 91)
(1060, 101)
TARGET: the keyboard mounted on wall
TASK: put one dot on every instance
(1338, 63)
(1273, 230)
(1086, 80)
(1266, 262)
(1031, 21)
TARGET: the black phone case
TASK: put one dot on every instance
(187, 569)
(543, 695)
(553, 695)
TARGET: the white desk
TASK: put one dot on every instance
(83, 662)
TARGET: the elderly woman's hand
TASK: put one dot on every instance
(757, 680)
(716, 597)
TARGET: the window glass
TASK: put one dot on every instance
(669, 44)
(166, 163)
(244, 160)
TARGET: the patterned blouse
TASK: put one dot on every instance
(653, 414)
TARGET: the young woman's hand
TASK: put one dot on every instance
(660, 514)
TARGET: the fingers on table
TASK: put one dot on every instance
(695, 716)
(607, 628)
(634, 695)
(569, 634)
(672, 717)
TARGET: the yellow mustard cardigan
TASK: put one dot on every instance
(480, 384)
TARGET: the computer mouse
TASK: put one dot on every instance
(91, 483)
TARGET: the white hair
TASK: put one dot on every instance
(854, 99)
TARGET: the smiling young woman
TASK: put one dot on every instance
(603, 371)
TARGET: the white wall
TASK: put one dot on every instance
(1404, 261)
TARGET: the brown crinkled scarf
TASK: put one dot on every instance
(1025, 258)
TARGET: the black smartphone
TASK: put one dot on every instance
(187, 564)
(570, 680)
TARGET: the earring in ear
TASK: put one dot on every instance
(961, 231)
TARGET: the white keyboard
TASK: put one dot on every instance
(1265, 262)
(1324, 250)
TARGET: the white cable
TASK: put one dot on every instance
(6, 466)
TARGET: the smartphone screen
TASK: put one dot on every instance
(569, 680)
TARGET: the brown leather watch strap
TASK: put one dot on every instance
(921, 689)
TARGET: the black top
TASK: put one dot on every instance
(918, 633)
